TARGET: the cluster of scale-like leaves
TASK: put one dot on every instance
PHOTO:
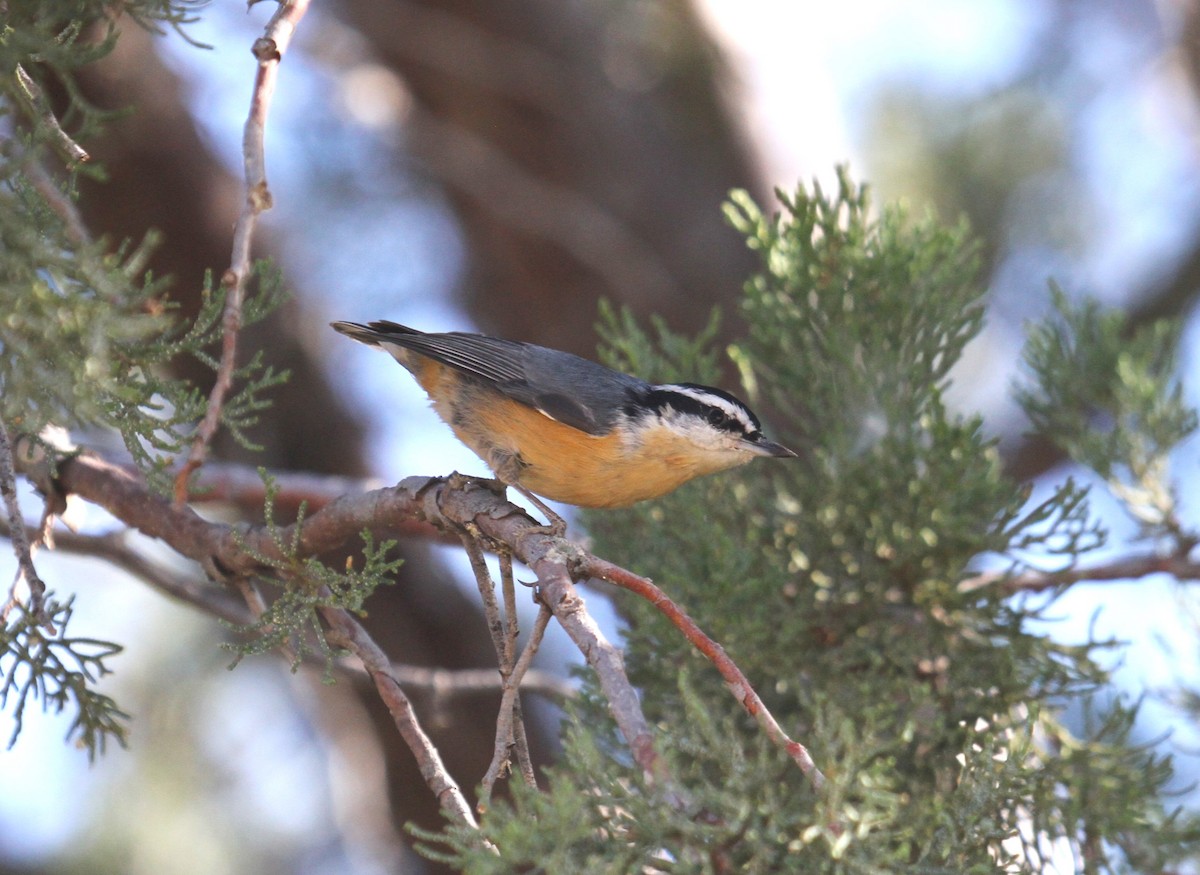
(60, 36)
(842, 584)
(1107, 393)
(42, 45)
(291, 621)
(41, 662)
(87, 335)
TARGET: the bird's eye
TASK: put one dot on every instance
(724, 421)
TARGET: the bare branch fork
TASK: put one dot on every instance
(268, 50)
(510, 727)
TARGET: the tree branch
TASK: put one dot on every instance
(20, 542)
(509, 720)
(715, 653)
(454, 504)
(467, 681)
(268, 50)
(503, 629)
(222, 554)
(114, 548)
(349, 633)
(36, 100)
(1132, 567)
(460, 502)
(512, 633)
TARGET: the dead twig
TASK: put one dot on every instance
(21, 545)
(509, 718)
(1178, 565)
(349, 633)
(512, 632)
(268, 50)
(36, 101)
(471, 681)
(503, 627)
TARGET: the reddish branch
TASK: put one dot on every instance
(549, 557)
(268, 50)
(734, 679)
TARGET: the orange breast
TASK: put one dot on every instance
(553, 460)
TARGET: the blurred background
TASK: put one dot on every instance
(501, 165)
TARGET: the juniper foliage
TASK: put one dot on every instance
(838, 583)
(86, 332)
(292, 620)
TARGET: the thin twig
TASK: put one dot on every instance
(468, 681)
(1177, 565)
(508, 590)
(62, 205)
(71, 150)
(254, 600)
(734, 678)
(512, 633)
(507, 720)
(268, 50)
(20, 543)
(349, 633)
(487, 594)
(113, 547)
(503, 629)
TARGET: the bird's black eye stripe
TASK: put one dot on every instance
(723, 411)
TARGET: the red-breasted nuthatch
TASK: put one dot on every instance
(567, 428)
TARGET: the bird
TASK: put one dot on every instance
(568, 429)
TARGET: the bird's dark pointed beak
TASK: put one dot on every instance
(769, 448)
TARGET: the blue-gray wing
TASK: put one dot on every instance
(572, 390)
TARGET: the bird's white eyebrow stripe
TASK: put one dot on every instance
(733, 411)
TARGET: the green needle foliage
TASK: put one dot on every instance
(43, 663)
(292, 620)
(86, 333)
(1109, 398)
(841, 584)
